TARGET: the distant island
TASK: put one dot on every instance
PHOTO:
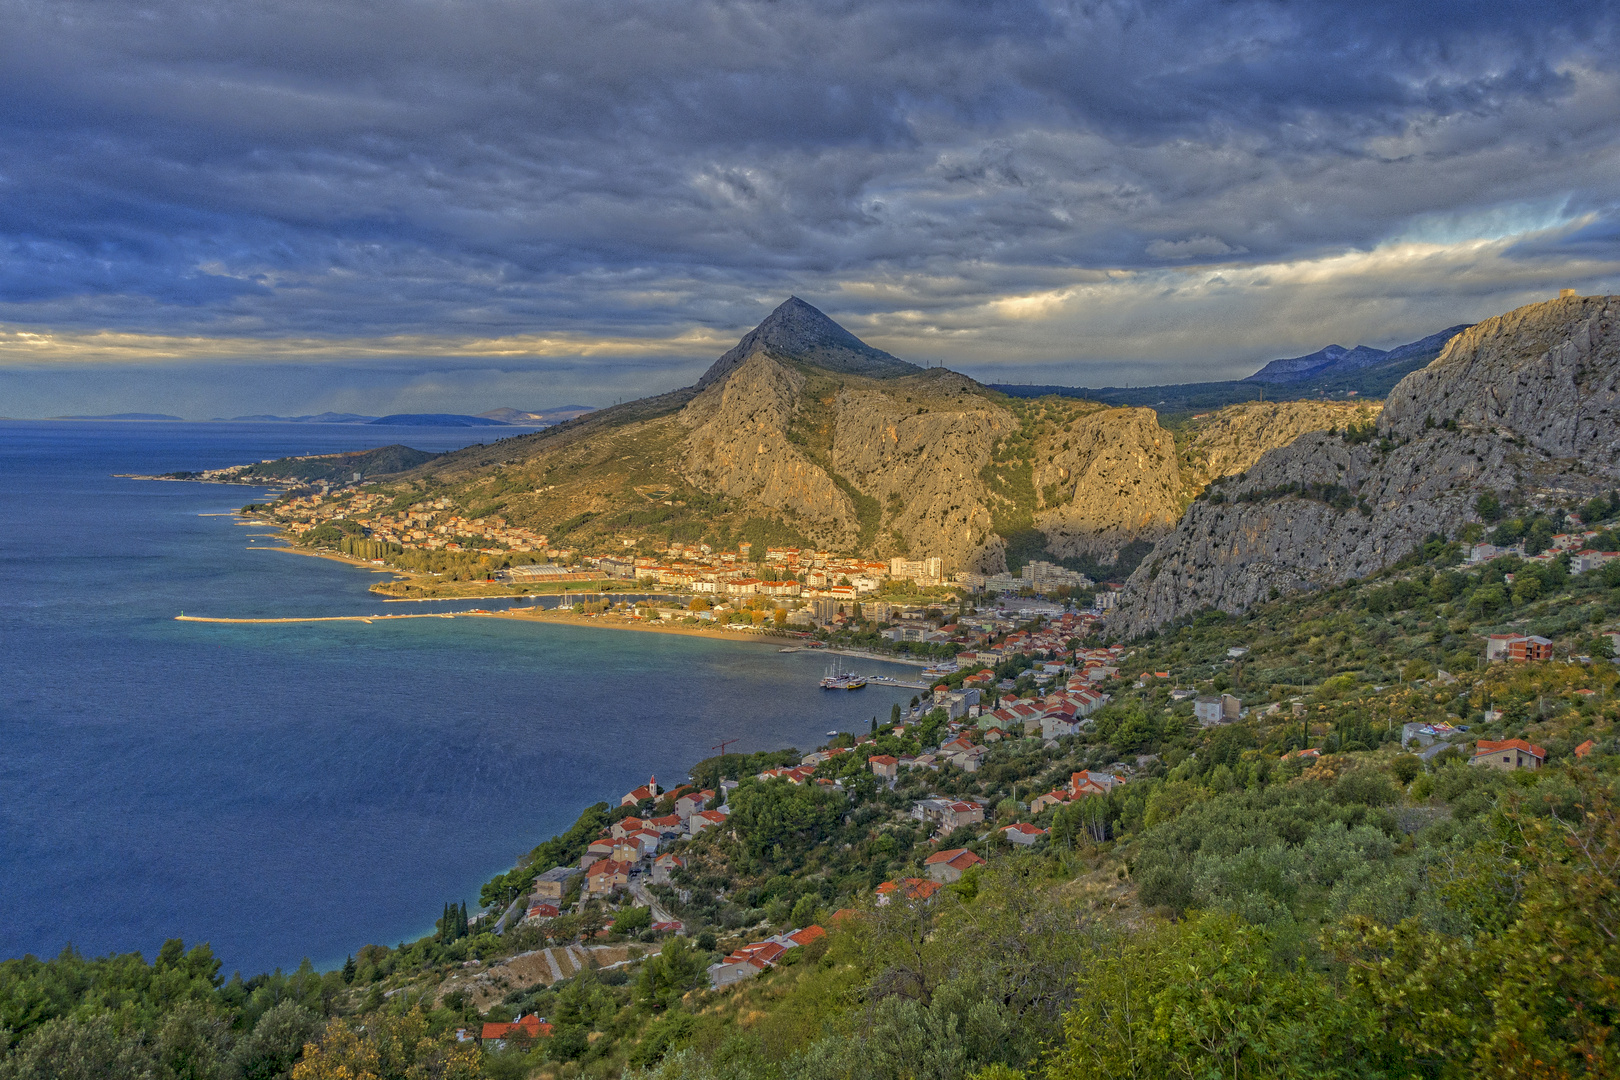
(123, 416)
(502, 417)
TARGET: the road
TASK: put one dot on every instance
(638, 889)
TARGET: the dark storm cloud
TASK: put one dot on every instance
(296, 168)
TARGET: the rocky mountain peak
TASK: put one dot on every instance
(1526, 403)
(796, 331)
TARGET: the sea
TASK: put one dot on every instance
(297, 790)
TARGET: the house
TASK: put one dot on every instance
(625, 826)
(668, 826)
(542, 910)
(1051, 798)
(1056, 725)
(520, 1033)
(750, 960)
(605, 875)
(637, 845)
(957, 814)
(601, 848)
(745, 963)
(1585, 748)
(948, 866)
(1531, 648)
(793, 776)
(1092, 782)
(647, 791)
(911, 888)
(1517, 647)
(968, 760)
(554, 882)
(692, 802)
(1023, 834)
(1508, 754)
(666, 865)
(700, 821)
(1212, 710)
(885, 766)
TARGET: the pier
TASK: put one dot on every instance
(335, 618)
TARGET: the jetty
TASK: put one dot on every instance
(335, 618)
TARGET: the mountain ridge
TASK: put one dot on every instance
(803, 435)
(1522, 405)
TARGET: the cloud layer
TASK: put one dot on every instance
(1078, 189)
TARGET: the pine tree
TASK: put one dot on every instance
(348, 970)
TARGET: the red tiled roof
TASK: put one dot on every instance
(915, 888)
(1486, 746)
(531, 1027)
(1585, 748)
(807, 935)
(1026, 828)
(960, 858)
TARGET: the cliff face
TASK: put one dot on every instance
(1532, 392)
(1546, 374)
(1112, 480)
(919, 448)
(1239, 435)
(739, 447)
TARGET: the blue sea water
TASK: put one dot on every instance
(294, 790)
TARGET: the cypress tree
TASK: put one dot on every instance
(348, 969)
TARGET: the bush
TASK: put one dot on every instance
(1406, 768)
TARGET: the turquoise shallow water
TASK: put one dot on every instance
(300, 790)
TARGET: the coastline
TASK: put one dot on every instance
(558, 617)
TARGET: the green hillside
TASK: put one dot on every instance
(1357, 910)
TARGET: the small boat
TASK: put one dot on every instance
(834, 734)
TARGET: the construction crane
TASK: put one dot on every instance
(723, 745)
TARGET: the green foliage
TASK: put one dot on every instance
(1203, 998)
(773, 817)
(564, 848)
(678, 967)
(632, 920)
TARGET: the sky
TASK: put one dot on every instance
(420, 205)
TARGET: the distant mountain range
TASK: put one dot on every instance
(1333, 371)
(503, 417)
(124, 416)
(1336, 360)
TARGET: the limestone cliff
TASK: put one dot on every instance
(1545, 374)
(1110, 480)
(1236, 437)
(1530, 396)
(739, 447)
(919, 448)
